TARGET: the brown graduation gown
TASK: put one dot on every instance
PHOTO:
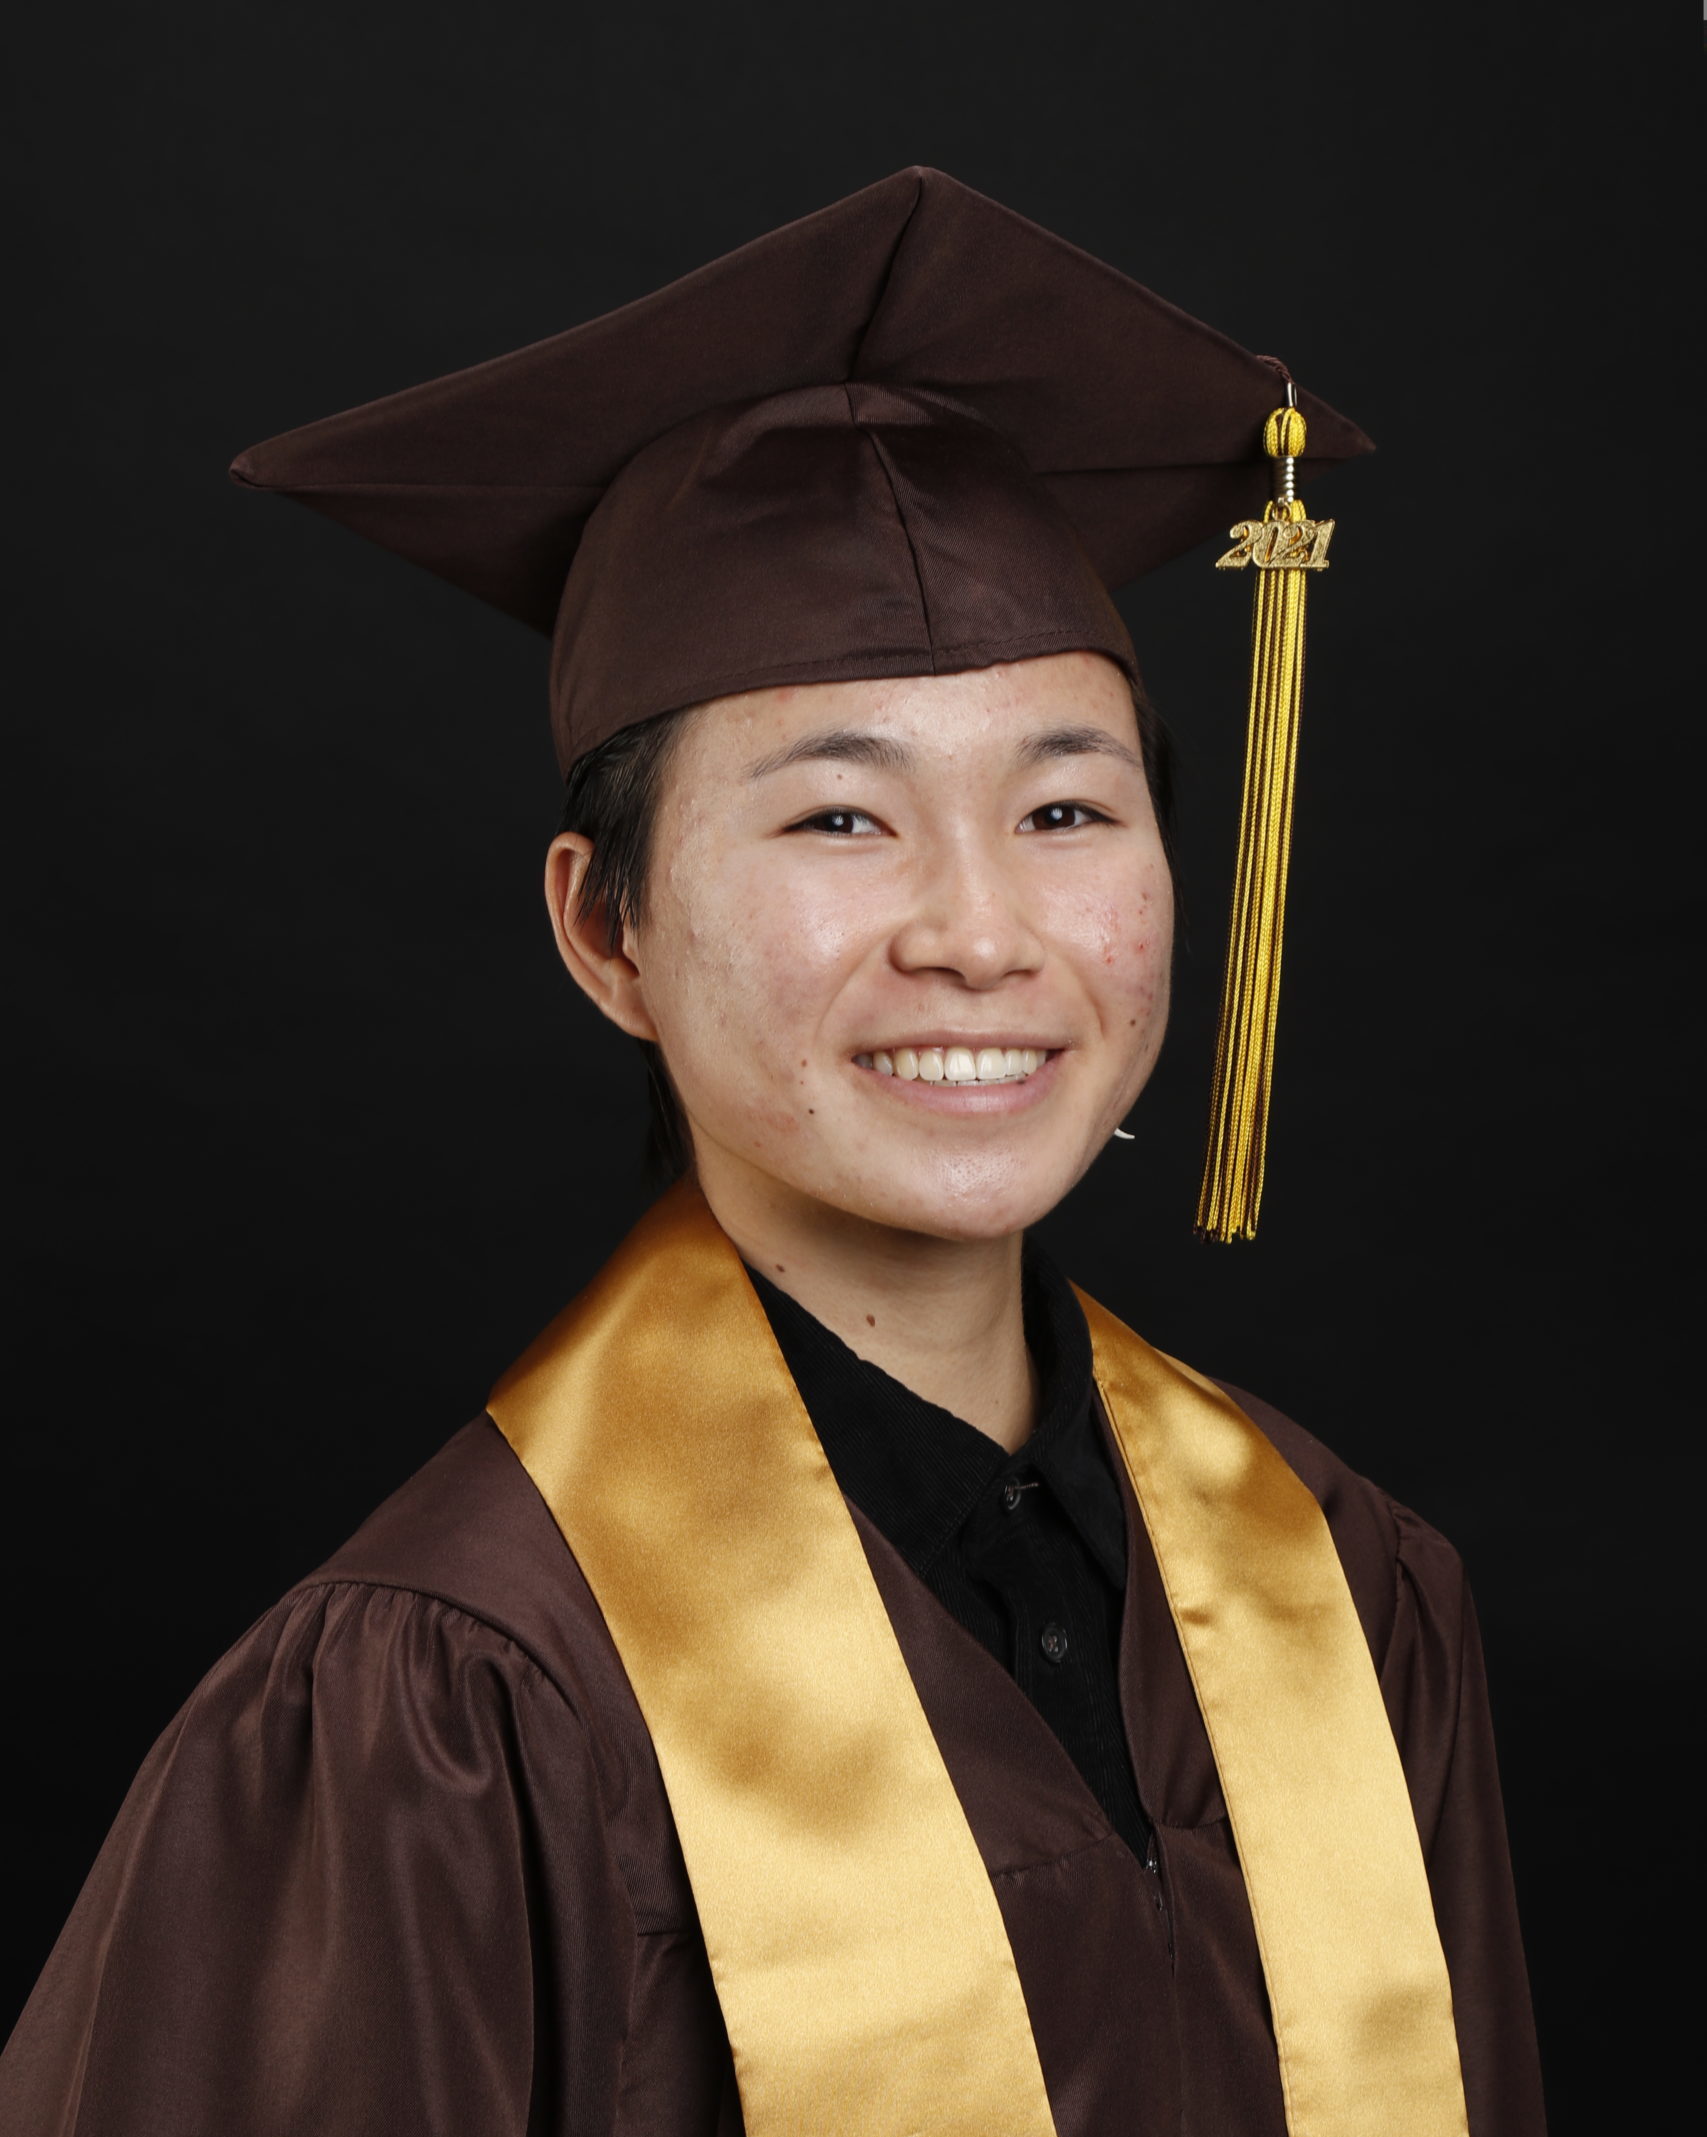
(404, 1863)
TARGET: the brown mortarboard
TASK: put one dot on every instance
(908, 435)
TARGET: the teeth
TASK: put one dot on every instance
(956, 1064)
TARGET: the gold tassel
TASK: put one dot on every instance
(1285, 547)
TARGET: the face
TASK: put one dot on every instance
(906, 943)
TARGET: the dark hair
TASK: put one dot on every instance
(611, 799)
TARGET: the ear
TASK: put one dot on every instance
(609, 978)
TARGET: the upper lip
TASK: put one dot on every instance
(973, 1045)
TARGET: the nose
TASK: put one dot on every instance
(967, 920)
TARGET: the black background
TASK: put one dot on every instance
(313, 1135)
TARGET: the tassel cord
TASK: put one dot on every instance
(1235, 1168)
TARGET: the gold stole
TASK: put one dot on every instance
(858, 1951)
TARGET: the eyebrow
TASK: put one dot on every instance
(841, 745)
(1077, 742)
(852, 745)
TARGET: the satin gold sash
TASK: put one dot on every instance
(1316, 1796)
(855, 1941)
(857, 1949)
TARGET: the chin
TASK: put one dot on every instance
(975, 1201)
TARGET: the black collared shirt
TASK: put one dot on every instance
(1026, 1550)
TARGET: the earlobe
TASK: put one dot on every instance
(609, 978)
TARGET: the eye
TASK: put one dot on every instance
(1063, 816)
(840, 823)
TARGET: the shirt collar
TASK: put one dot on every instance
(917, 1470)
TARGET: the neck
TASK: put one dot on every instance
(942, 1316)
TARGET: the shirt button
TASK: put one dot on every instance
(1054, 1643)
(1010, 1497)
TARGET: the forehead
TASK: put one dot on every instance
(985, 714)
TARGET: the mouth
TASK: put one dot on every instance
(958, 1064)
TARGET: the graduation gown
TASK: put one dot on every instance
(404, 1863)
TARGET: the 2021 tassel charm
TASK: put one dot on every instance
(1283, 548)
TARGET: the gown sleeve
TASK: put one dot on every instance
(1437, 1695)
(330, 1905)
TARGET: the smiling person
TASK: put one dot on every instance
(846, 1682)
(903, 946)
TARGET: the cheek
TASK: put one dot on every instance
(1122, 947)
(742, 960)
(1149, 942)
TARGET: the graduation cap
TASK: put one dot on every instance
(909, 435)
